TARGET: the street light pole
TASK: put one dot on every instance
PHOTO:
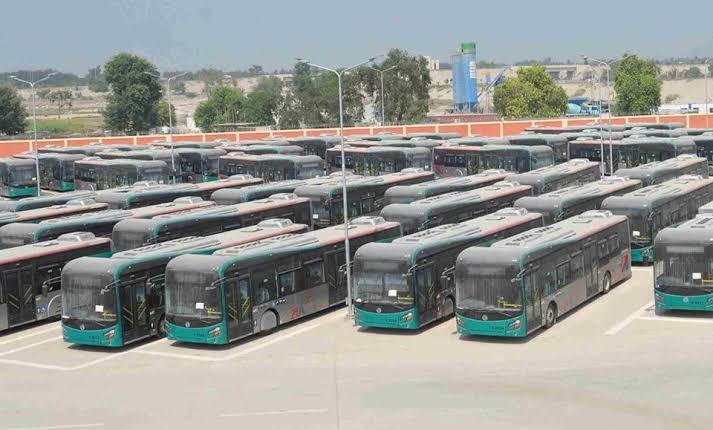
(34, 123)
(602, 164)
(347, 254)
(707, 72)
(381, 75)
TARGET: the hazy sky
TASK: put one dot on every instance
(73, 35)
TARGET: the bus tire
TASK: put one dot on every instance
(269, 322)
(449, 308)
(161, 327)
(606, 283)
(551, 316)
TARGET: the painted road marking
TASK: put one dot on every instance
(282, 412)
(642, 269)
(61, 427)
(678, 319)
(15, 339)
(628, 320)
(32, 345)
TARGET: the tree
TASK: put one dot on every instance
(96, 80)
(12, 114)
(262, 104)
(531, 93)
(223, 106)
(671, 98)
(637, 86)
(61, 98)
(693, 73)
(132, 105)
(163, 114)
(255, 70)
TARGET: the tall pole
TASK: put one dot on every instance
(602, 163)
(381, 77)
(706, 71)
(611, 144)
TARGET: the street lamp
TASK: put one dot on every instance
(706, 73)
(34, 122)
(170, 116)
(602, 168)
(381, 74)
(347, 255)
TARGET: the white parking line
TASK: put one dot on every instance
(677, 319)
(285, 412)
(61, 427)
(32, 345)
(642, 269)
(628, 320)
(37, 333)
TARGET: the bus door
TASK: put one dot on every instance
(591, 269)
(334, 264)
(426, 294)
(238, 306)
(533, 300)
(20, 295)
(134, 310)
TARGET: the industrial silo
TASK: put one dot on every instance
(465, 83)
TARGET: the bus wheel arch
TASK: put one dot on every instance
(606, 283)
(269, 321)
(551, 315)
(449, 307)
(161, 327)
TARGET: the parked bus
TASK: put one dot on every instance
(408, 283)
(456, 160)
(551, 178)
(134, 233)
(264, 149)
(97, 174)
(258, 142)
(190, 164)
(30, 276)
(187, 144)
(662, 171)
(377, 137)
(36, 215)
(43, 201)
(98, 223)
(655, 125)
(434, 136)
(364, 194)
(527, 281)
(56, 170)
(558, 143)
(272, 167)
(378, 160)
(316, 145)
(698, 131)
(90, 150)
(148, 193)
(567, 202)
(115, 301)
(254, 288)
(655, 132)
(704, 146)
(18, 177)
(594, 134)
(454, 207)
(231, 196)
(653, 208)
(479, 141)
(411, 193)
(632, 152)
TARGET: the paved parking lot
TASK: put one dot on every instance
(612, 363)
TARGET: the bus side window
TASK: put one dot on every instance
(264, 286)
(577, 263)
(603, 249)
(313, 274)
(286, 282)
(549, 284)
(50, 276)
(614, 243)
(2, 291)
(563, 274)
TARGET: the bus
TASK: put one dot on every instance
(365, 195)
(527, 281)
(698, 131)
(134, 233)
(72, 207)
(115, 301)
(408, 283)
(272, 167)
(187, 144)
(148, 193)
(264, 149)
(316, 145)
(99, 223)
(254, 288)
(89, 150)
(704, 146)
(376, 137)
(411, 193)
(479, 141)
(538, 129)
(683, 274)
(567, 202)
(655, 125)
(56, 170)
(594, 134)
(18, 177)
(377, 161)
(27, 203)
(190, 164)
(30, 288)
(558, 143)
(455, 206)
(551, 178)
(655, 132)
(457, 160)
(662, 171)
(254, 142)
(655, 207)
(98, 174)
(231, 196)
(434, 136)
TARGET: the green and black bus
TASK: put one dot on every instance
(272, 167)
(72, 207)
(655, 132)
(30, 276)
(558, 143)
(254, 288)
(551, 178)
(190, 164)
(662, 171)
(56, 170)
(43, 201)
(411, 193)
(316, 145)
(188, 144)
(134, 233)
(454, 207)
(434, 136)
(231, 196)
(377, 161)
(264, 149)
(653, 208)
(112, 302)
(409, 282)
(97, 174)
(567, 202)
(527, 281)
(91, 149)
(704, 146)
(460, 160)
(18, 177)
(479, 141)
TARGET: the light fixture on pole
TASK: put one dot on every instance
(347, 255)
(602, 163)
(170, 116)
(34, 123)
(381, 76)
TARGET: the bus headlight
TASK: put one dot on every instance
(110, 334)
(408, 317)
(659, 298)
(215, 332)
(515, 325)
(710, 300)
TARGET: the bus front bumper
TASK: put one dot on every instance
(108, 337)
(514, 327)
(684, 303)
(407, 319)
(216, 334)
(642, 255)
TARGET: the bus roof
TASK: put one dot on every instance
(64, 243)
(547, 173)
(13, 205)
(52, 211)
(494, 148)
(227, 196)
(698, 230)
(187, 144)
(264, 149)
(50, 156)
(479, 141)
(655, 125)
(531, 139)
(662, 167)
(655, 195)
(381, 150)
(295, 158)
(274, 201)
(121, 162)
(17, 162)
(89, 149)
(360, 182)
(443, 185)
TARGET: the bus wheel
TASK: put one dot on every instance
(606, 283)
(551, 315)
(448, 308)
(268, 322)
(161, 328)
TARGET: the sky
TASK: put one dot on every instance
(74, 35)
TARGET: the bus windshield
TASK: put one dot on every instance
(490, 288)
(683, 266)
(194, 294)
(383, 282)
(21, 176)
(86, 298)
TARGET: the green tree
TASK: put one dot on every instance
(62, 98)
(96, 81)
(163, 114)
(532, 93)
(12, 114)
(261, 106)
(223, 106)
(637, 86)
(132, 105)
(693, 73)
(287, 113)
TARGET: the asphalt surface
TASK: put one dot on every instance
(612, 363)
